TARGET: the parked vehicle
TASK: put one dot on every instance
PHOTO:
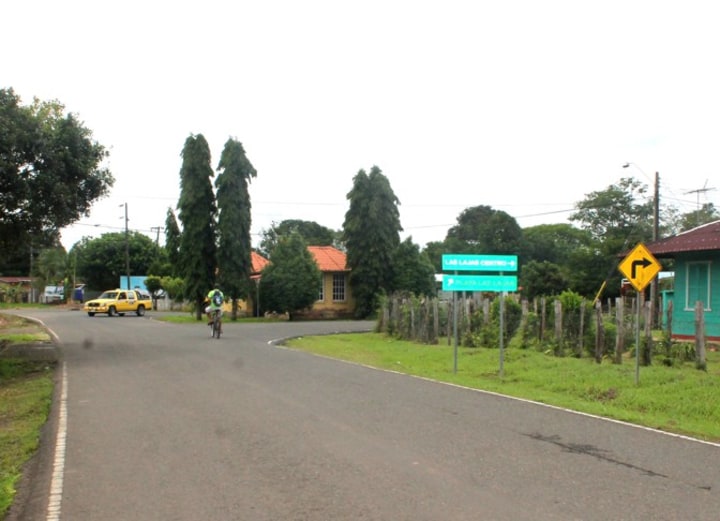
(118, 302)
(53, 294)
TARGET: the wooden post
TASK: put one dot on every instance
(670, 321)
(620, 326)
(581, 334)
(648, 344)
(700, 335)
(599, 333)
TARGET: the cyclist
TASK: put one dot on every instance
(215, 299)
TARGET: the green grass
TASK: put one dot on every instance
(25, 397)
(677, 399)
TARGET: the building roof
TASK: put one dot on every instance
(16, 280)
(258, 262)
(329, 258)
(701, 238)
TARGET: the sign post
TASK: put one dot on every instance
(640, 267)
(498, 283)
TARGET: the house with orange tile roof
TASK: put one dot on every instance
(334, 295)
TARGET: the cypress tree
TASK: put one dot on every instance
(197, 212)
(233, 200)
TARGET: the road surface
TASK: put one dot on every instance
(165, 423)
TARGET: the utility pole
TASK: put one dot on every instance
(656, 308)
(157, 229)
(127, 247)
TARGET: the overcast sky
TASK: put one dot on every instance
(524, 106)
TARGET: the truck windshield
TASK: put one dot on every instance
(109, 294)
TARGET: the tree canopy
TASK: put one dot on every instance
(197, 212)
(371, 232)
(233, 200)
(100, 262)
(482, 229)
(313, 233)
(413, 270)
(50, 174)
(291, 281)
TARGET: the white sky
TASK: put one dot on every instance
(525, 106)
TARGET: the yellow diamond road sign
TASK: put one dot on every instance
(640, 267)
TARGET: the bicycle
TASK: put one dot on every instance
(216, 325)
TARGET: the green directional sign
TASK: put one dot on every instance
(463, 262)
(479, 283)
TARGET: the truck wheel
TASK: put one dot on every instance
(140, 310)
(91, 314)
(111, 311)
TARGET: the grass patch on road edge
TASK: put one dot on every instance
(679, 399)
(26, 389)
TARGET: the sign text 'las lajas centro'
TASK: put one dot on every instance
(463, 262)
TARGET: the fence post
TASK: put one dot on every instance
(700, 335)
(648, 344)
(599, 333)
(581, 333)
(620, 326)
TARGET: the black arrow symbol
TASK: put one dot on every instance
(644, 263)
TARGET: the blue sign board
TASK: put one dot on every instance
(479, 283)
(461, 262)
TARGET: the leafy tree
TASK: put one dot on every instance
(49, 174)
(553, 242)
(313, 233)
(233, 200)
(620, 214)
(51, 267)
(542, 278)
(616, 218)
(291, 280)
(101, 261)
(174, 287)
(434, 251)
(706, 214)
(413, 270)
(197, 212)
(153, 283)
(172, 241)
(483, 230)
(371, 232)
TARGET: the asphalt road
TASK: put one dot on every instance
(165, 423)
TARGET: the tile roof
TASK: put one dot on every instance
(329, 258)
(17, 280)
(702, 238)
(258, 262)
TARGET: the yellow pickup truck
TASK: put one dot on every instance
(118, 302)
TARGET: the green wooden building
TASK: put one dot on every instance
(696, 255)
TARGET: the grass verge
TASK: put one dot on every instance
(26, 389)
(678, 399)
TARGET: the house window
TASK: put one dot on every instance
(321, 291)
(338, 287)
(697, 285)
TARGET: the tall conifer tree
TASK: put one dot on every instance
(172, 241)
(233, 200)
(197, 213)
(371, 232)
